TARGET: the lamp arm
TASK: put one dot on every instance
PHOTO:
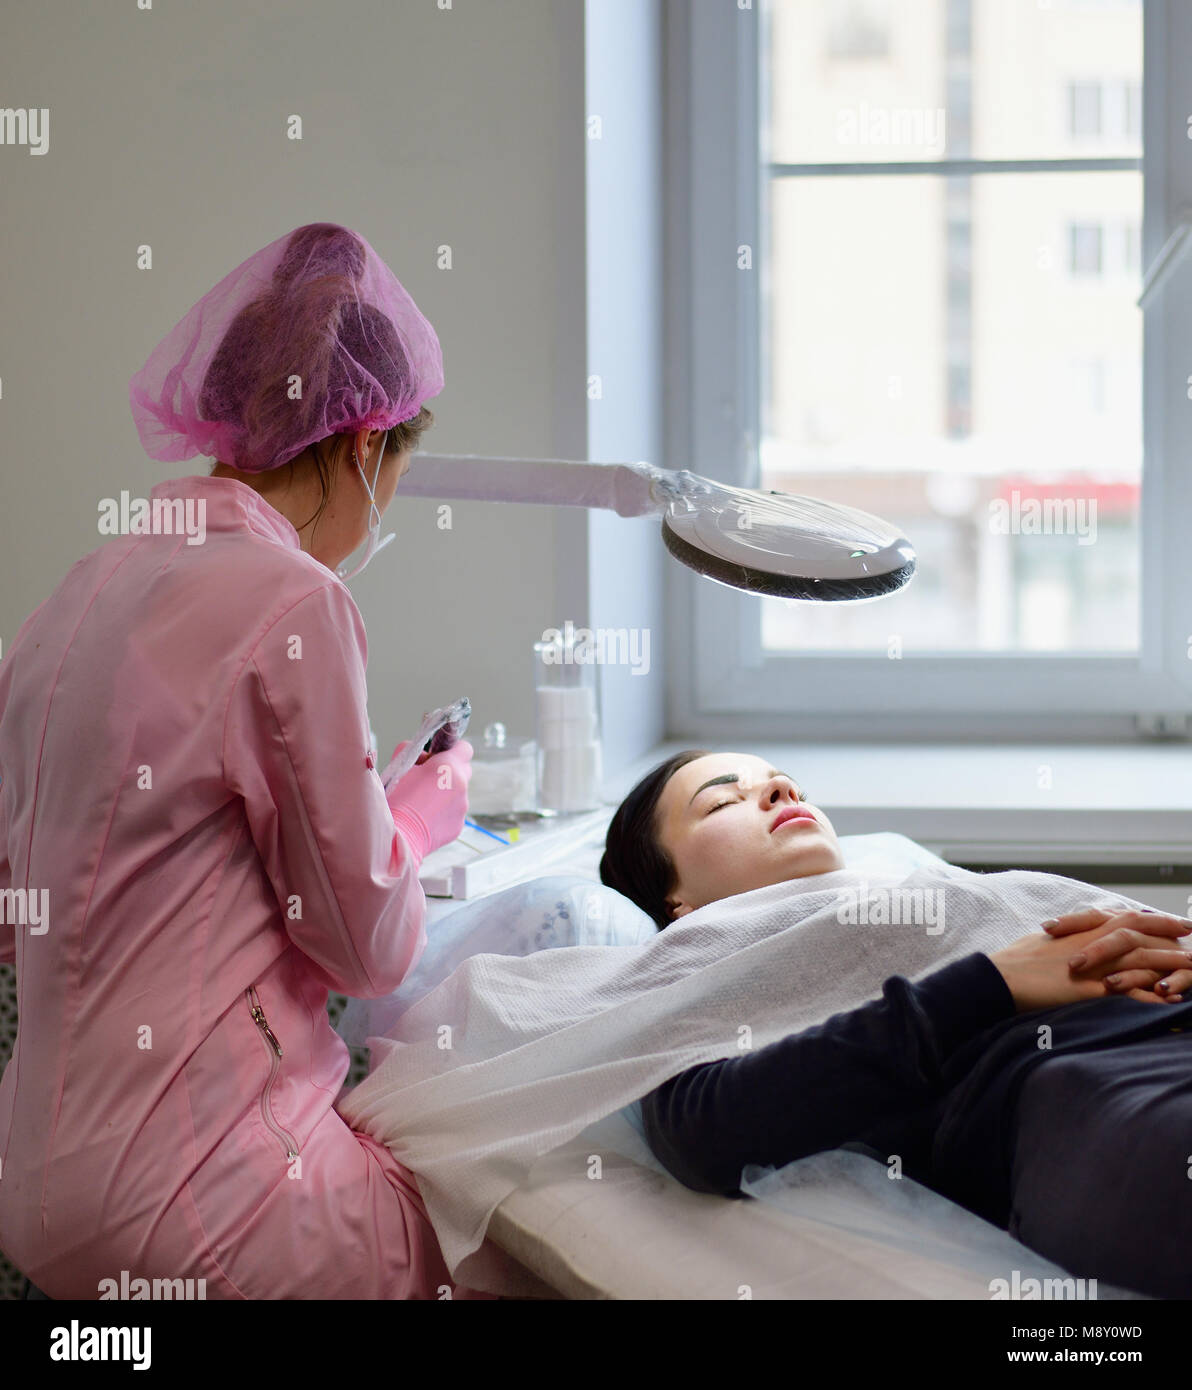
(629, 489)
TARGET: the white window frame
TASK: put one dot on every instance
(722, 683)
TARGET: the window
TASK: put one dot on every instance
(1084, 248)
(1106, 111)
(952, 296)
(1084, 109)
(1113, 249)
(942, 328)
(859, 29)
(1131, 243)
(1133, 130)
(1086, 394)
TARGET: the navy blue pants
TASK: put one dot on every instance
(1107, 1193)
(1083, 1151)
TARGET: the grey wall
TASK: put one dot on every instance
(422, 127)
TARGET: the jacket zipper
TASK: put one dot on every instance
(274, 1047)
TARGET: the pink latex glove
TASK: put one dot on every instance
(426, 814)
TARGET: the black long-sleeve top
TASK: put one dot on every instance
(929, 1072)
(872, 1075)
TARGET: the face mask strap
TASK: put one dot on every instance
(372, 491)
(375, 544)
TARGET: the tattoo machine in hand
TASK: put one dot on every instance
(437, 732)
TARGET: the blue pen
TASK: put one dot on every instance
(482, 830)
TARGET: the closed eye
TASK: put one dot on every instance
(799, 795)
(729, 801)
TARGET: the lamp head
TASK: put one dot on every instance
(783, 545)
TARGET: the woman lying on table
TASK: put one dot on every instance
(1085, 1159)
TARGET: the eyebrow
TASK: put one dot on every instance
(731, 777)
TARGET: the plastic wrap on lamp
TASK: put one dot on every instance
(786, 546)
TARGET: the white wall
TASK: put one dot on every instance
(422, 127)
(626, 330)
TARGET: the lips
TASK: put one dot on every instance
(791, 813)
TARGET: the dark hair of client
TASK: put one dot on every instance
(634, 863)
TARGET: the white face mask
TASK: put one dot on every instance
(374, 526)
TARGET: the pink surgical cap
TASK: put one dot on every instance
(311, 336)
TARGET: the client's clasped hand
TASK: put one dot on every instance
(1088, 954)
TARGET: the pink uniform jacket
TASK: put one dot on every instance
(188, 792)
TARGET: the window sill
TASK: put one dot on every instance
(1027, 803)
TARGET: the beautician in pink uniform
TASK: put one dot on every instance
(196, 829)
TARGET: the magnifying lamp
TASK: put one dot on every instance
(775, 543)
